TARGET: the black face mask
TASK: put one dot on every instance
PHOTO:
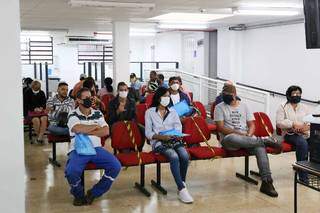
(87, 103)
(227, 99)
(295, 99)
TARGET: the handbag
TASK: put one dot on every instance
(83, 145)
(62, 119)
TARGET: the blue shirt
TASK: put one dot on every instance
(136, 85)
(154, 123)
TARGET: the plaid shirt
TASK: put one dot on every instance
(59, 106)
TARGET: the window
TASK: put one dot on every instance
(36, 49)
(94, 53)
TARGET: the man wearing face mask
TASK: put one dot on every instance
(295, 131)
(58, 107)
(176, 95)
(235, 124)
(85, 120)
(121, 108)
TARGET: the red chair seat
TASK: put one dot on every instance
(58, 138)
(204, 152)
(161, 158)
(91, 166)
(212, 127)
(286, 147)
(131, 159)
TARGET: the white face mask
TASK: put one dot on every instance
(123, 94)
(165, 101)
(35, 92)
(175, 87)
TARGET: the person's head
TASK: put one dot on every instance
(161, 97)
(36, 86)
(153, 75)
(229, 93)
(90, 84)
(174, 83)
(228, 82)
(293, 94)
(180, 80)
(160, 79)
(122, 90)
(108, 81)
(83, 77)
(84, 98)
(133, 78)
(27, 82)
(63, 89)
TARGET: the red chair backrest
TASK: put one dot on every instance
(191, 96)
(149, 99)
(260, 127)
(143, 89)
(278, 131)
(140, 113)
(120, 138)
(201, 108)
(189, 127)
(213, 106)
(105, 99)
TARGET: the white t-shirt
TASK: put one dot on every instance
(175, 98)
(76, 117)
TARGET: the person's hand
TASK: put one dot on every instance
(165, 137)
(297, 127)
(37, 109)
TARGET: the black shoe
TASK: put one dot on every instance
(79, 201)
(89, 197)
(271, 142)
(268, 189)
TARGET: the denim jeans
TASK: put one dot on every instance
(301, 146)
(56, 130)
(179, 161)
(254, 146)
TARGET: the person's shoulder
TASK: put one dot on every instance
(151, 109)
(221, 105)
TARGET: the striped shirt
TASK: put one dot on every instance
(59, 106)
(77, 117)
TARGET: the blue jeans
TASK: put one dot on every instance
(56, 130)
(301, 146)
(77, 163)
(179, 162)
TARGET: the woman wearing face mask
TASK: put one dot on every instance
(35, 104)
(160, 118)
(121, 108)
(176, 95)
(290, 120)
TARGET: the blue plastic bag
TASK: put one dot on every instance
(173, 132)
(83, 145)
(182, 108)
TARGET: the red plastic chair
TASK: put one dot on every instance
(149, 99)
(128, 149)
(213, 106)
(140, 113)
(212, 127)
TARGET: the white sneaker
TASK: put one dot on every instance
(184, 184)
(184, 196)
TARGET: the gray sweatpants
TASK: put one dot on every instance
(255, 146)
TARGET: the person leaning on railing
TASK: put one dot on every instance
(289, 119)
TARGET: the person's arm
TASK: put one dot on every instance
(103, 128)
(113, 116)
(150, 134)
(281, 121)
(251, 128)
(50, 106)
(84, 129)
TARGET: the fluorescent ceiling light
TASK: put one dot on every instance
(183, 26)
(142, 34)
(189, 17)
(86, 3)
(272, 5)
(265, 12)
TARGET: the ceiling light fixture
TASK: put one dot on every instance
(86, 3)
(183, 26)
(189, 17)
(272, 5)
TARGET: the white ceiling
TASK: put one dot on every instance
(58, 14)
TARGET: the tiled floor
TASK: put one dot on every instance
(212, 183)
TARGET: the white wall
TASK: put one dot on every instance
(12, 187)
(272, 58)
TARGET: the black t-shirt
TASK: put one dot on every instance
(32, 100)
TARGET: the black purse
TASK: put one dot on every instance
(62, 119)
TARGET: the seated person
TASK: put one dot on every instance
(58, 108)
(78, 86)
(134, 82)
(183, 88)
(88, 121)
(96, 102)
(161, 82)
(219, 97)
(107, 89)
(236, 127)
(295, 131)
(35, 103)
(160, 118)
(135, 89)
(152, 83)
(176, 95)
(121, 108)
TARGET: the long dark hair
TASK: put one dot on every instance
(290, 90)
(157, 96)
